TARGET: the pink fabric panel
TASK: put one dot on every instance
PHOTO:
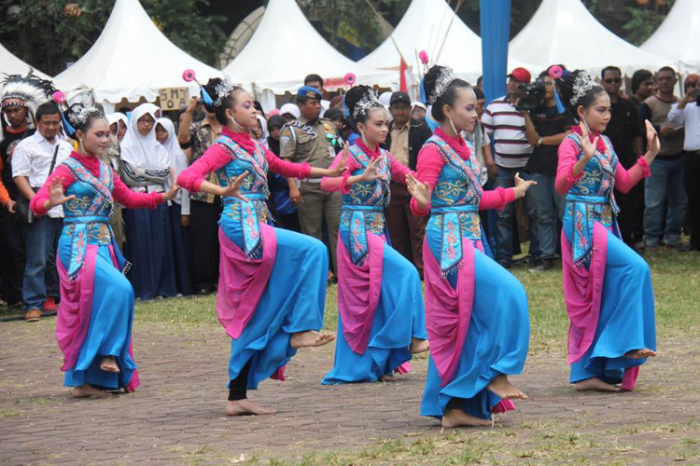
(242, 281)
(583, 291)
(629, 379)
(448, 310)
(359, 288)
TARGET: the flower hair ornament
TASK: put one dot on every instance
(77, 115)
(442, 83)
(582, 85)
(368, 101)
(222, 90)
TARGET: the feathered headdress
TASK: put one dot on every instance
(29, 91)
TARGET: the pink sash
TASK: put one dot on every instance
(359, 288)
(242, 281)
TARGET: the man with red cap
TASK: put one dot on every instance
(687, 113)
(505, 125)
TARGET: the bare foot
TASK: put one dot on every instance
(458, 418)
(595, 384)
(86, 391)
(419, 346)
(641, 354)
(388, 378)
(504, 389)
(246, 407)
(109, 364)
(311, 339)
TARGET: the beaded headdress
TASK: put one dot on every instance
(443, 81)
(368, 101)
(25, 91)
(582, 85)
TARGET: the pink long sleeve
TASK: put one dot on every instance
(38, 201)
(625, 180)
(133, 200)
(496, 199)
(287, 169)
(214, 158)
(568, 156)
(430, 164)
(121, 193)
(399, 171)
(339, 183)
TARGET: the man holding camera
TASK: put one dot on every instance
(546, 128)
(687, 114)
(505, 125)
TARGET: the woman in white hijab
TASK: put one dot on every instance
(260, 133)
(179, 209)
(118, 126)
(145, 167)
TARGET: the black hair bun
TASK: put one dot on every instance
(354, 95)
(79, 117)
(430, 81)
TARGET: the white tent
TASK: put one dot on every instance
(10, 64)
(286, 48)
(678, 37)
(431, 25)
(564, 31)
(132, 59)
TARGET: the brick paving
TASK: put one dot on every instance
(177, 417)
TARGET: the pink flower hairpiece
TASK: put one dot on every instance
(423, 56)
(59, 97)
(350, 79)
(556, 72)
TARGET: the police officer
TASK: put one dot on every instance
(312, 139)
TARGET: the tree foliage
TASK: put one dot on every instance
(48, 34)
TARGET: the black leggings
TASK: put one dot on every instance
(238, 387)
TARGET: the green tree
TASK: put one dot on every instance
(48, 34)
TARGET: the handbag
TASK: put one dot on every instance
(23, 213)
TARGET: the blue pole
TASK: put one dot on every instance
(495, 35)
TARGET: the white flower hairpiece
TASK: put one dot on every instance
(366, 103)
(81, 116)
(442, 83)
(223, 89)
(582, 85)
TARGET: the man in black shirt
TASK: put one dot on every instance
(625, 133)
(12, 245)
(545, 129)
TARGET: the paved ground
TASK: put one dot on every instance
(177, 415)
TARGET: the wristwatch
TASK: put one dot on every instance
(539, 141)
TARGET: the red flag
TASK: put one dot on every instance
(402, 77)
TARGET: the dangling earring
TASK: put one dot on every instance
(80, 145)
(363, 137)
(452, 124)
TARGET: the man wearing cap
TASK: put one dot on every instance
(312, 139)
(405, 139)
(505, 125)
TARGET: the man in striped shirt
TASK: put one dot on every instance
(505, 125)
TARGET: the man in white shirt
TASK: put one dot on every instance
(32, 162)
(505, 125)
(687, 114)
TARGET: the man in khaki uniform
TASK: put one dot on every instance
(311, 139)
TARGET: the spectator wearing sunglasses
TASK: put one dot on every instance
(625, 133)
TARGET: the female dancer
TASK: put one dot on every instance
(476, 312)
(607, 286)
(145, 167)
(380, 307)
(97, 302)
(272, 281)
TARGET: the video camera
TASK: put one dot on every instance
(534, 96)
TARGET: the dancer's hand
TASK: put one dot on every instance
(653, 144)
(340, 167)
(370, 173)
(419, 191)
(588, 147)
(233, 188)
(174, 188)
(521, 186)
(56, 195)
